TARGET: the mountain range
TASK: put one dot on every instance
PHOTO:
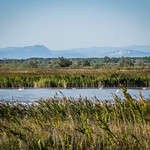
(40, 51)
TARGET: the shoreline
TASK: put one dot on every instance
(140, 88)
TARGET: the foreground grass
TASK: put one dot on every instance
(69, 124)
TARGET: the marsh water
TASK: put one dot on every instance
(45, 93)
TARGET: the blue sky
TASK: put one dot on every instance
(65, 24)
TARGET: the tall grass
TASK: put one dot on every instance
(69, 124)
(129, 79)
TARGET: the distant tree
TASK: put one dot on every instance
(85, 62)
(79, 63)
(106, 59)
(30, 63)
(113, 60)
(139, 62)
(125, 62)
(63, 62)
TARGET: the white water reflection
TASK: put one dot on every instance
(37, 94)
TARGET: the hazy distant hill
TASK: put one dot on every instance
(41, 51)
(25, 52)
(127, 53)
(104, 51)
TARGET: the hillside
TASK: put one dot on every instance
(41, 51)
(25, 52)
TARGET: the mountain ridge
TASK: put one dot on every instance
(41, 51)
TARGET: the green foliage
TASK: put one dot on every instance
(106, 59)
(30, 64)
(68, 80)
(139, 62)
(63, 62)
(75, 124)
(125, 62)
(85, 62)
(75, 72)
(79, 62)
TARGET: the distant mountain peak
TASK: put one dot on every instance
(36, 46)
(41, 51)
(25, 52)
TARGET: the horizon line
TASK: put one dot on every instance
(75, 48)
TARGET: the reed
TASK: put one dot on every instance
(75, 124)
(75, 79)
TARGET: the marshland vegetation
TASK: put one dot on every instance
(68, 78)
(69, 124)
(75, 72)
(66, 123)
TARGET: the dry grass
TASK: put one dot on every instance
(69, 124)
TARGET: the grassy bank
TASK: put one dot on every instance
(69, 124)
(67, 78)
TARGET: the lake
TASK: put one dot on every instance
(45, 93)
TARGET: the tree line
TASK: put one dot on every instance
(76, 62)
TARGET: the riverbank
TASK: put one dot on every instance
(68, 124)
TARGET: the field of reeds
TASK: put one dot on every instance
(68, 78)
(69, 124)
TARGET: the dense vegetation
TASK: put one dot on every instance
(76, 62)
(68, 124)
(108, 79)
(77, 72)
